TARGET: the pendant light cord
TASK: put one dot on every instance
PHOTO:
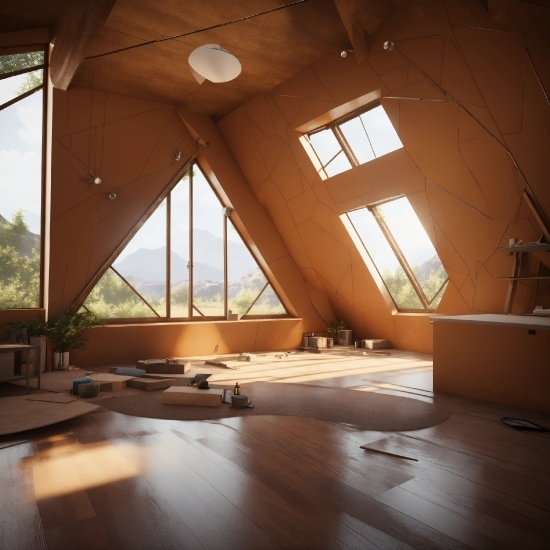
(197, 31)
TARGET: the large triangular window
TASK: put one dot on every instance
(186, 261)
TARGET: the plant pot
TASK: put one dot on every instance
(61, 360)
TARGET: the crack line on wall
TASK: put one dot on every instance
(459, 199)
(93, 240)
(157, 142)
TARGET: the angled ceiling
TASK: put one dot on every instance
(270, 47)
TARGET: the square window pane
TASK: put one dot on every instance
(143, 262)
(208, 261)
(245, 279)
(15, 86)
(21, 202)
(435, 302)
(389, 268)
(357, 139)
(16, 62)
(179, 249)
(325, 145)
(268, 304)
(382, 134)
(338, 165)
(415, 245)
(112, 298)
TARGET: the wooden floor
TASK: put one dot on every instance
(107, 480)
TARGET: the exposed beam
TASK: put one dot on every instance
(80, 22)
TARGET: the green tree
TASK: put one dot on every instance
(19, 61)
(19, 272)
(112, 298)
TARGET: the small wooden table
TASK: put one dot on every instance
(22, 348)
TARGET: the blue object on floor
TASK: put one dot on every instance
(79, 381)
(129, 371)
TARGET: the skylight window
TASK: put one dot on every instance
(352, 141)
(402, 253)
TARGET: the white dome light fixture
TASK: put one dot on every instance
(212, 62)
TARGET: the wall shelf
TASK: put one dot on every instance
(522, 278)
(518, 251)
(533, 247)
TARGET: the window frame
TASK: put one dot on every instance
(334, 126)
(402, 260)
(13, 50)
(191, 307)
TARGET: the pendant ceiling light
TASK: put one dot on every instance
(212, 62)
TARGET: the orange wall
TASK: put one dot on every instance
(126, 344)
(472, 115)
(130, 144)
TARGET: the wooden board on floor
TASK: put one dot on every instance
(177, 379)
(20, 414)
(180, 395)
(110, 382)
(52, 397)
(150, 384)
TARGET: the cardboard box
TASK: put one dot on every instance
(376, 344)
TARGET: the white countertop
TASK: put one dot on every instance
(518, 321)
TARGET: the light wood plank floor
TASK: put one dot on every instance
(112, 481)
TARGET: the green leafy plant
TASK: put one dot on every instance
(35, 327)
(64, 332)
(333, 329)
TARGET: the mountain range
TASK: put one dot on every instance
(149, 264)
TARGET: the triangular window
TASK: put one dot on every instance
(214, 268)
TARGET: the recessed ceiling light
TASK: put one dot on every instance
(212, 62)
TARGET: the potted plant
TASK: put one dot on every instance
(334, 329)
(17, 332)
(64, 332)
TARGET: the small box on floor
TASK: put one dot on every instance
(376, 344)
(317, 342)
(345, 338)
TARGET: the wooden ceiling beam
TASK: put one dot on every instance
(81, 21)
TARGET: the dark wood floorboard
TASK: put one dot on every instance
(110, 481)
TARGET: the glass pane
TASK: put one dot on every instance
(355, 135)
(268, 304)
(179, 254)
(382, 134)
(415, 245)
(384, 259)
(437, 299)
(17, 85)
(338, 165)
(143, 262)
(208, 291)
(20, 204)
(325, 145)
(245, 278)
(112, 298)
(18, 61)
